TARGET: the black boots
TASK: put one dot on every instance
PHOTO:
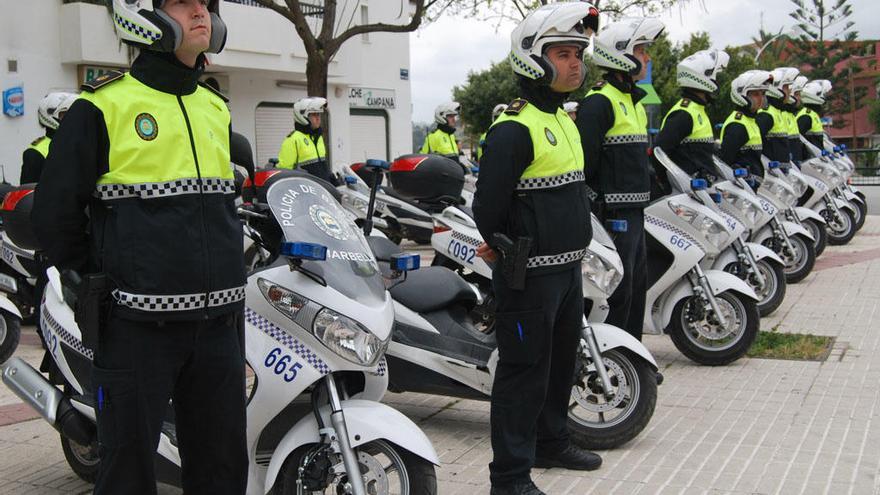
(571, 458)
(528, 488)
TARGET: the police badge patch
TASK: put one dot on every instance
(623, 107)
(550, 136)
(146, 127)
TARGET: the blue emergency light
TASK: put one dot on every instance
(773, 164)
(699, 184)
(374, 164)
(837, 148)
(304, 251)
(617, 225)
(825, 152)
(843, 147)
(475, 170)
(740, 172)
(716, 197)
(405, 262)
(350, 179)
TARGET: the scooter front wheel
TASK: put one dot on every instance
(10, 334)
(698, 334)
(770, 296)
(599, 421)
(82, 459)
(386, 468)
(800, 263)
(861, 212)
(819, 233)
(840, 232)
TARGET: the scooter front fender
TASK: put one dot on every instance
(610, 337)
(7, 305)
(792, 229)
(804, 213)
(844, 205)
(852, 197)
(719, 281)
(760, 252)
(366, 421)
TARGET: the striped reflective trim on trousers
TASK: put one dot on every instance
(556, 259)
(627, 197)
(625, 139)
(149, 190)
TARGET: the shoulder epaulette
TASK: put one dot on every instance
(685, 102)
(516, 106)
(102, 80)
(35, 141)
(214, 90)
(738, 116)
(600, 84)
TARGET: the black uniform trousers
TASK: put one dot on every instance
(200, 365)
(627, 303)
(538, 330)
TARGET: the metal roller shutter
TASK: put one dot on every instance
(368, 135)
(274, 121)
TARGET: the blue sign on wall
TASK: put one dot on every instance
(13, 101)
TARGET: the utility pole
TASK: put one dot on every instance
(852, 106)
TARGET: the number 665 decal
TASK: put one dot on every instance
(282, 365)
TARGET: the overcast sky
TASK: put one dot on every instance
(444, 52)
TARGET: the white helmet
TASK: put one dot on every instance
(750, 80)
(53, 107)
(308, 106)
(798, 85)
(700, 70)
(614, 45)
(445, 109)
(143, 24)
(782, 76)
(826, 87)
(561, 23)
(497, 110)
(570, 106)
(813, 93)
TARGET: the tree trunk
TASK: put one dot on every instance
(316, 75)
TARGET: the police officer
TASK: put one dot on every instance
(686, 132)
(304, 147)
(147, 153)
(791, 113)
(774, 120)
(531, 192)
(613, 127)
(809, 120)
(52, 109)
(741, 143)
(482, 143)
(441, 141)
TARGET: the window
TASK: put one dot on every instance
(365, 19)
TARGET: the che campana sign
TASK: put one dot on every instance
(371, 98)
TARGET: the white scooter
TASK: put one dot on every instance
(318, 321)
(843, 209)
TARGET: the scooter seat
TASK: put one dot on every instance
(432, 288)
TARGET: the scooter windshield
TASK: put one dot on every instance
(307, 212)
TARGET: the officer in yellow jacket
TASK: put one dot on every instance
(613, 127)
(531, 192)
(481, 145)
(304, 147)
(52, 109)
(147, 153)
(809, 119)
(741, 142)
(441, 141)
(686, 132)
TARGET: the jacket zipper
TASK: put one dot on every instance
(204, 225)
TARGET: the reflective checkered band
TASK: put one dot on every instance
(777, 135)
(178, 302)
(668, 226)
(627, 197)
(556, 259)
(591, 193)
(285, 339)
(524, 67)
(309, 162)
(754, 147)
(626, 139)
(136, 29)
(698, 141)
(383, 367)
(458, 236)
(551, 181)
(15, 250)
(47, 322)
(149, 190)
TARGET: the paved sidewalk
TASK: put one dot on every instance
(756, 426)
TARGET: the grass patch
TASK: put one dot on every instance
(800, 347)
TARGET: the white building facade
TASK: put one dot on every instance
(48, 45)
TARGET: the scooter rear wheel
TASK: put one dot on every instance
(10, 334)
(700, 339)
(597, 422)
(83, 460)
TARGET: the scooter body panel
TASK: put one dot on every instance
(611, 337)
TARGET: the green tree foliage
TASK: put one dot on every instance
(500, 10)
(481, 93)
(825, 41)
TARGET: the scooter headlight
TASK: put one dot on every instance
(785, 196)
(748, 208)
(798, 184)
(715, 233)
(600, 273)
(289, 303)
(348, 338)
